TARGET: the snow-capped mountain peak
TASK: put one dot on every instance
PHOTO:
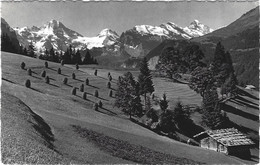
(197, 29)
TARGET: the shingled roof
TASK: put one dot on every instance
(227, 137)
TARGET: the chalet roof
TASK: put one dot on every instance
(227, 137)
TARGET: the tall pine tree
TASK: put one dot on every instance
(145, 79)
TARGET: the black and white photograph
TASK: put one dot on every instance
(129, 82)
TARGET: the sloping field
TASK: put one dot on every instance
(26, 138)
(64, 112)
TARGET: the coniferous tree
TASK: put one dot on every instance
(163, 103)
(211, 115)
(127, 96)
(52, 55)
(180, 114)
(31, 50)
(145, 79)
(77, 57)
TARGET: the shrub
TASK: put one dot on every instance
(84, 95)
(22, 65)
(95, 73)
(95, 106)
(108, 85)
(100, 104)
(29, 72)
(96, 93)
(46, 64)
(81, 88)
(87, 81)
(65, 80)
(43, 74)
(77, 66)
(110, 93)
(74, 91)
(73, 76)
(62, 62)
(27, 83)
(59, 71)
(47, 79)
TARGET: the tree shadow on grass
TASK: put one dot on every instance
(68, 85)
(8, 80)
(108, 112)
(36, 77)
(52, 79)
(102, 98)
(93, 86)
(36, 90)
(53, 85)
(79, 80)
(51, 69)
(34, 73)
(64, 75)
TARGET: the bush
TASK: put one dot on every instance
(84, 95)
(108, 85)
(62, 62)
(74, 91)
(95, 73)
(73, 76)
(46, 64)
(59, 71)
(77, 66)
(96, 93)
(65, 80)
(110, 93)
(43, 74)
(95, 106)
(87, 81)
(27, 83)
(110, 78)
(22, 65)
(81, 88)
(47, 79)
(29, 72)
(100, 104)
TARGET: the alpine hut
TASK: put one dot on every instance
(229, 141)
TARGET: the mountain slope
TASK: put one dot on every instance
(241, 39)
(6, 29)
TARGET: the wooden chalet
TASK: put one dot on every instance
(229, 141)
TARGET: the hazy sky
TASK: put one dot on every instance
(89, 18)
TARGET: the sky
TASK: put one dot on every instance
(89, 18)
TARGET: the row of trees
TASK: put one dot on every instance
(71, 56)
(206, 80)
(173, 61)
(129, 92)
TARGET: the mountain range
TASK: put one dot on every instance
(137, 41)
